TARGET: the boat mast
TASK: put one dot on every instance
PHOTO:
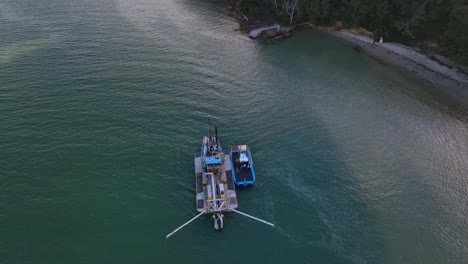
(209, 128)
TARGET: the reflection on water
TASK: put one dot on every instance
(19, 49)
(355, 163)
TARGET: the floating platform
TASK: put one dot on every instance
(215, 191)
(215, 179)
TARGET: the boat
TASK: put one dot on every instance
(242, 166)
(215, 191)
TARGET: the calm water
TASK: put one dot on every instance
(103, 103)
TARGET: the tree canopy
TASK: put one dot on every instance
(444, 22)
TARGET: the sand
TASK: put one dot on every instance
(443, 77)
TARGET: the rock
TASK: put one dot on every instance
(338, 25)
(284, 30)
(269, 33)
(306, 25)
(277, 38)
(431, 44)
(275, 34)
(361, 31)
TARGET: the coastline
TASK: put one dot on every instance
(441, 76)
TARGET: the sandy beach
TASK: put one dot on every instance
(441, 76)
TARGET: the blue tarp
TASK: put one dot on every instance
(212, 160)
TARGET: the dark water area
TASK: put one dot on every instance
(104, 103)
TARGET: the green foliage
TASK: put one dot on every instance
(455, 40)
(357, 12)
(441, 21)
(313, 10)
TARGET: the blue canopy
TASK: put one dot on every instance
(212, 160)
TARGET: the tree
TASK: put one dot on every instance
(290, 7)
(412, 15)
(442, 21)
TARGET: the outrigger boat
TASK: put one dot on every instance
(242, 166)
(215, 190)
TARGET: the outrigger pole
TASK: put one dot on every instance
(233, 210)
(188, 222)
(253, 217)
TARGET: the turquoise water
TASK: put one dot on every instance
(103, 104)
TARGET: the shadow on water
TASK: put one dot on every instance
(100, 128)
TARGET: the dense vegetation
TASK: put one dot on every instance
(441, 24)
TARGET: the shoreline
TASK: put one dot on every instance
(441, 76)
(438, 74)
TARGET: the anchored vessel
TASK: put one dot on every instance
(242, 166)
(214, 185)
(215, 190)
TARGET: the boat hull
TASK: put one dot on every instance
(243, 172)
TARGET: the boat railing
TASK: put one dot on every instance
(217, 207)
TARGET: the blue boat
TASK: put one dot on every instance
(243, 172)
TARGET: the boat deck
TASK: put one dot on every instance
(201, 188)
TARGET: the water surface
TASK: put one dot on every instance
(103, 104)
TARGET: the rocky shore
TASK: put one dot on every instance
(247, 25)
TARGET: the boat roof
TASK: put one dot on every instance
(212, 160)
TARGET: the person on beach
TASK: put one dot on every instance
(377, 36)
(381, 36)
